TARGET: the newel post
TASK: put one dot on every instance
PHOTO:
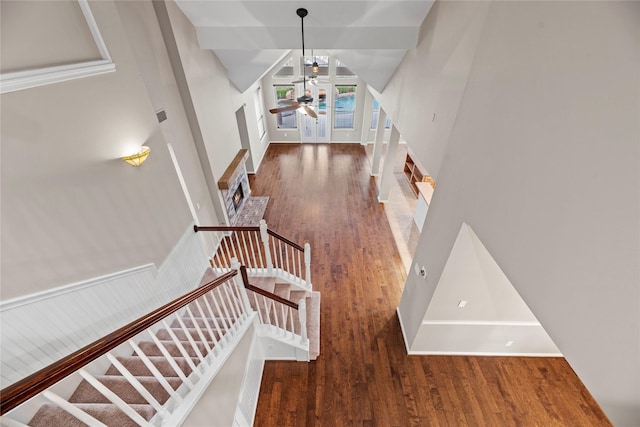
(244, 279)
(264, 235)
(307, 264)
(302, 316)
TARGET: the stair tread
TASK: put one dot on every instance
(150, 348)
(267, 283)
(86, 393)
(296, 296)
(51, 415)
(283, 290)
(135, 365)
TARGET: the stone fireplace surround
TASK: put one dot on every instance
(235, 176)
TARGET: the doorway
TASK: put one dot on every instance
(317, 130)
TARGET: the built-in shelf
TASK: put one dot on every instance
(414, 174)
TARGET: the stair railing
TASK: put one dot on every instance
(283, 317)
(263, 251)
(206, 319)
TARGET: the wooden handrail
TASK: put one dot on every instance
(30, 386)
(245, 279)
(284, 239)
(197, 228)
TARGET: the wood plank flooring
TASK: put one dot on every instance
(323, 194)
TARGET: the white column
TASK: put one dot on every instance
(377, 148)
(366, 118)
(389, 163)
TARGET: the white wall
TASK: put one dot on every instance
(145, 38)
(494, 320)
(258, 146)
(423, 95)
(210, 91)
(542, 162)
(71, 208)
(209, 98)
(217, 406)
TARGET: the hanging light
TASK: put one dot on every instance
(314, 68)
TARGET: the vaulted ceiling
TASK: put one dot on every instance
(249, 37)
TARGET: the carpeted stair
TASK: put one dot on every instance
(288, 292)
(91, 401)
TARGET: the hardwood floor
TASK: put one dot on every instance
(323, 194)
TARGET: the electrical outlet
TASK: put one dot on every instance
(423, 272)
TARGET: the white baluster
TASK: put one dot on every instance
(155, 372)
(265, 242)
(139, 387)
(114, 398)
(243, 294)
(169, 357)
(73, 410)
(307, 264)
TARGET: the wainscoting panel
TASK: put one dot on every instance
(39, 329)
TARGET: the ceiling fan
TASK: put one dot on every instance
(301, 103)
(313, 78)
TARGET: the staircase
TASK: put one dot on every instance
(152, 371)
(149, 384)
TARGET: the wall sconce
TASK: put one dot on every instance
(138, 158)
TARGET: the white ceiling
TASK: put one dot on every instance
(249, 37)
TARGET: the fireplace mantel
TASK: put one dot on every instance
(234, 169)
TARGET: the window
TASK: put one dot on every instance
(286, 119)
(344, 107)
(343, 71)
(257, 101)
(323, 65)
(286, 71)
(376, 114)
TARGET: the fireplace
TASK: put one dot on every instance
(234, 186)
(238, 198)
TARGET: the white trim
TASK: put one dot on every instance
(481, 353)
(74, 287)
(95, 31)
(404, 334)
(27, 79)
(481, 322)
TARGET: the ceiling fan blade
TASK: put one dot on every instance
(287, 101)
(287, 108)
(310, 111)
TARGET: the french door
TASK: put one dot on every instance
(317, 130)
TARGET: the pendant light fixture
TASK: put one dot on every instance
(314, 68)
